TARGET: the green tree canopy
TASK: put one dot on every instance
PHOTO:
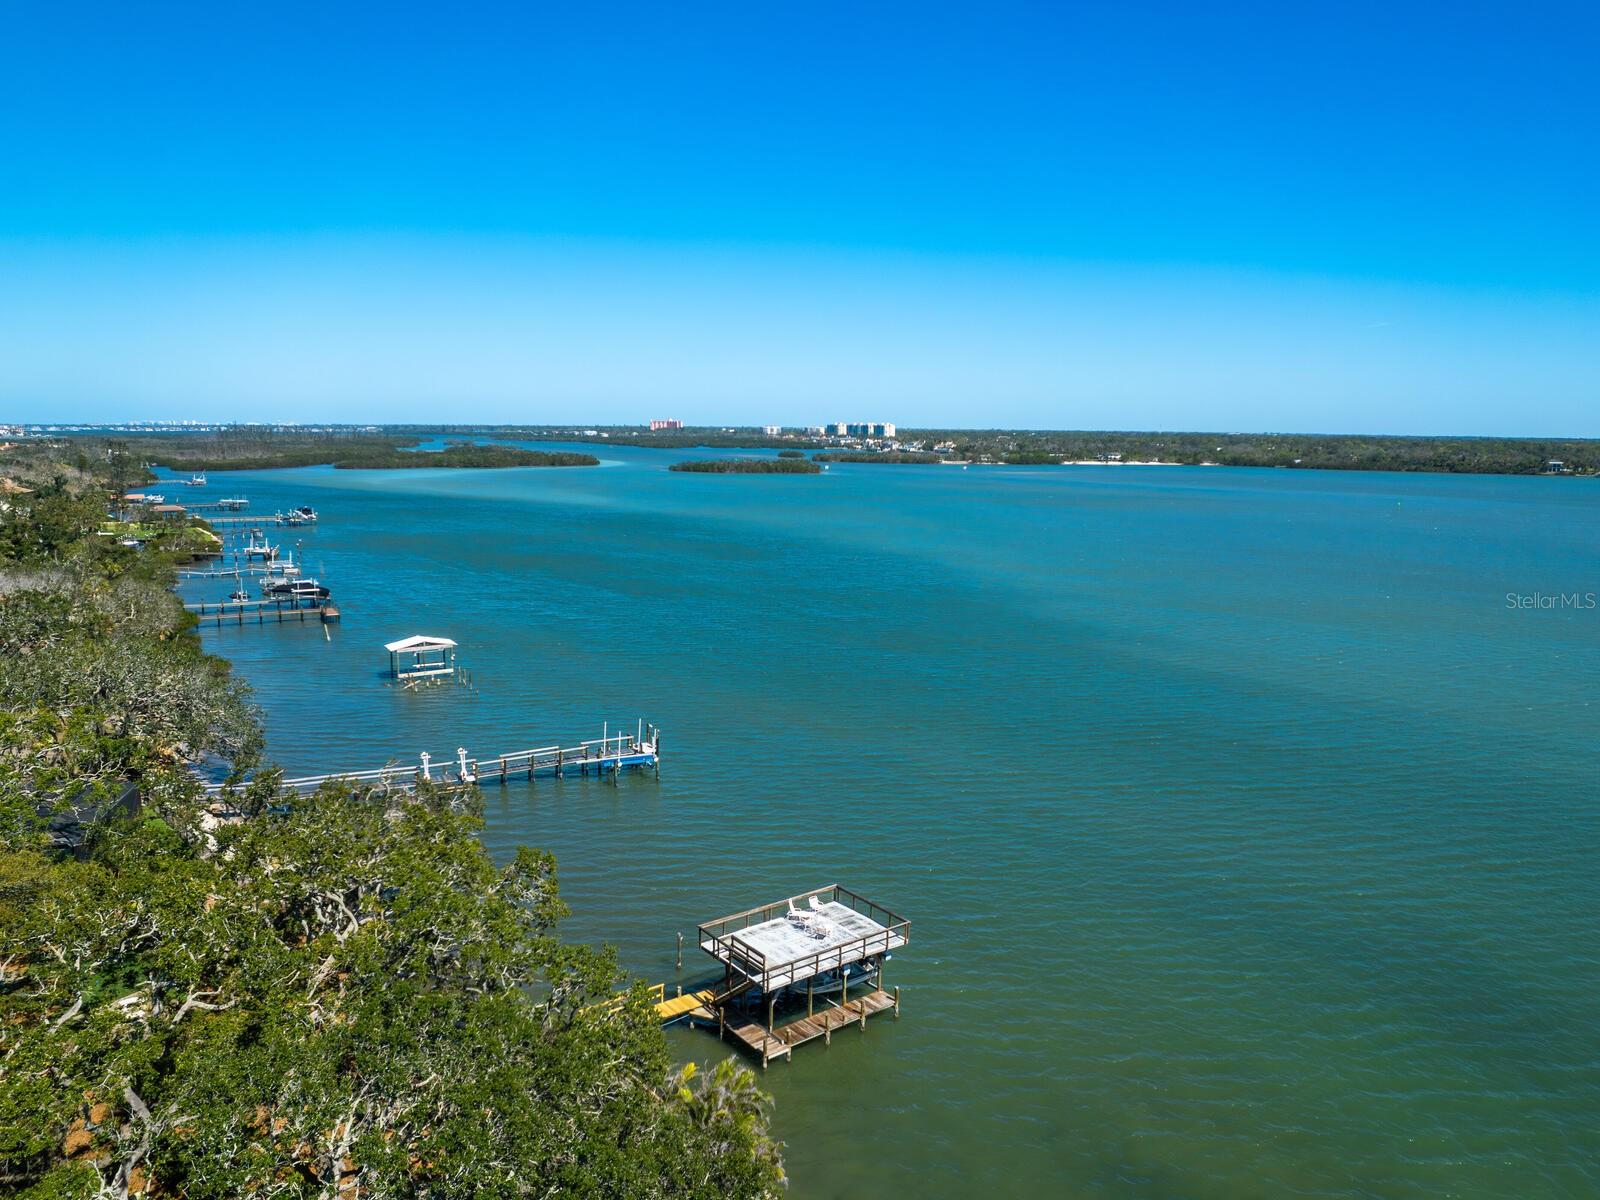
(266, 994)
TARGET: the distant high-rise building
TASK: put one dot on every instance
(862, 429)
(665, 423)
(772, 430)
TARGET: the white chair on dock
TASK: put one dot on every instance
(817, 923)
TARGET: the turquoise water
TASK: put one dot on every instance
(1248, 835)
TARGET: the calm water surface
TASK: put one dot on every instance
(1249, 838)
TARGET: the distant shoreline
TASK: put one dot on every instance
(246, 447)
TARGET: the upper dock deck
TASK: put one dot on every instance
(773, 949)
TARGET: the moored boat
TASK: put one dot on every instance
(830, 983)
(275, 588)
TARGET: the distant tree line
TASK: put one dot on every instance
(1340, 452)
(463, 456)
(250, 447)
(749, 466)
(263, 449)
(886, 456)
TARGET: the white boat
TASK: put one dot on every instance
(195, 480)
(828, 983)
(832, 982)
(259, 547)
(293, 589)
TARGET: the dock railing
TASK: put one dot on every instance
(611, 755)
(721, 939)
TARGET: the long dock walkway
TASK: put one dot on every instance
(235, 572)
(262, 519)
(609, 755)
(238, 611)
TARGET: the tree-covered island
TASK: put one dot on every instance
(748, 466)
(254, 449)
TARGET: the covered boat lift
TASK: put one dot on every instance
(421, 657)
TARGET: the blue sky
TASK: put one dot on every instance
(1363, 218)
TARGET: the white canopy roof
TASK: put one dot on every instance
(418, 642)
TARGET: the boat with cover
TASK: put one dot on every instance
(298, 590)
(828, 983)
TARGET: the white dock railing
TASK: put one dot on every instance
(611, 754)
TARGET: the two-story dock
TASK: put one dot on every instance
(824, 948)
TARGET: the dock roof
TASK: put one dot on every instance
(418, 641)
(774, 949)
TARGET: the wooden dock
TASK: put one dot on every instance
(808, 947)
(605, 756)
(685, 1005)
(218, 506)
(237, 571)
(242, 612)
(780, 1041)
(262, 519)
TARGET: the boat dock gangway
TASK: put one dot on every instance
(608, 755)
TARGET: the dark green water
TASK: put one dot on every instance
(1248, 836)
